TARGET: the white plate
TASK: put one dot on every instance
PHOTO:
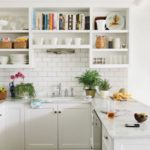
(115, 21)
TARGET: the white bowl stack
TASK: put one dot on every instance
(19, 59)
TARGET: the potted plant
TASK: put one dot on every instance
(25, 90)
(22, 90)
(104, 87)
(90, 79)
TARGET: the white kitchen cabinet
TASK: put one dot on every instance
(74, 122)
(14, 126)
(58, 127)
(2, 128)
(132, 144)
(106, 140)
(41, 129)
(97, 132)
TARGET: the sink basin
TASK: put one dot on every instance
(65, 100)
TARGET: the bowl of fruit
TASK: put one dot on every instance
(3, 93)
(121, 95)
(140, 117)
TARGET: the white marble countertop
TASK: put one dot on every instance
(125, 114)
(115, 127)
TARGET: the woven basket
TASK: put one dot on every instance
(20, 44)
(3, 95)
(6, 45)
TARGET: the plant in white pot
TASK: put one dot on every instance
(104, 88)
(90, 79)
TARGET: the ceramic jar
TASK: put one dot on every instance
(100, 42)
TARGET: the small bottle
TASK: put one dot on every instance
(94, 62)
(110, 42)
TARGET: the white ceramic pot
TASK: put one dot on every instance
(104, 94)
(117, 43)
(101, 24)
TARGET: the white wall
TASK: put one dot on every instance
(51, 69)
(139, 74)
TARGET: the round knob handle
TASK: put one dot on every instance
(59, 112)
(106, 137)
(55, 112)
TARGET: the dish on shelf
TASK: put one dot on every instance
(115, 21)
(18, 59)
(3, 60)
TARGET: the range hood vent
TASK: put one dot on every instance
(61, 51)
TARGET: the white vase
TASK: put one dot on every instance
(101, 24)
(104, 94)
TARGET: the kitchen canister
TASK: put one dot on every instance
(101, 24)
(100, 42)
(116, 43)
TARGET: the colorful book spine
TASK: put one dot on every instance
(66, 21)
(60, 21)
(82, 21)
(87, 22)
(74, 22)
(51, 22)
(69, 22)
(34, 20)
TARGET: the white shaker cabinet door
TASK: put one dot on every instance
(41, 129)
(14, 126)
(2, 128)
(74, 126)
(142, 143)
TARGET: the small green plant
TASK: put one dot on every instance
(104, 85)
(90, 79)
(25, 88)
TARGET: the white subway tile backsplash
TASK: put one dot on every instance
(51, 69)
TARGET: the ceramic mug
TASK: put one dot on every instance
(68, 41)
(3, 59)
(39, 41)
(54, 41)
(77, 41)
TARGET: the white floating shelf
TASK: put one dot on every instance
(109, 66)
(110, 50)
(15, 66)
(61, 46)
(110, 31)
(14, 31)
(60, 31)
(14, 50)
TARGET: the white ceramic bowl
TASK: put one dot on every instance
(3, 23)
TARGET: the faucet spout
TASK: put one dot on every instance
(59, 87)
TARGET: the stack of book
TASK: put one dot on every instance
(60, 21)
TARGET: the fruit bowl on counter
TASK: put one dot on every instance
(121, 95)
(140, 117)
(3, 93)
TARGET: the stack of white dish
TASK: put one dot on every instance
(19, 59)
(3, 60)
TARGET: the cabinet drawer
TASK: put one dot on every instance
(106, 138)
